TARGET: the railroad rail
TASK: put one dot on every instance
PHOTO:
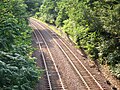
(49, 72)
(88, 79)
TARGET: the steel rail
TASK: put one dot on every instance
(44, 61)
(77, 59)
(82, 64)
(77, 71)
(52, 60)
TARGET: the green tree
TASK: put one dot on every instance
(33, 5)
(18, 70)
(93, 24)
(48, 11)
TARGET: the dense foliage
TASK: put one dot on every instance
(48, 11)
(18, 70)
(93, 24)
(33, 5)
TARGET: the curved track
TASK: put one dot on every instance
(88, 80)
(50, 86)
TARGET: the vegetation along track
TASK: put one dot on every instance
(52, 73)
(82, 72)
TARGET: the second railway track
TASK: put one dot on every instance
(88, 80)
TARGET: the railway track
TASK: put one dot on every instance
(87, 79)
(52, 73)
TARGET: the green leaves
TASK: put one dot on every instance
(93, 25)
(116, 71)
(33, 5)
(18, 70)
(48, 11)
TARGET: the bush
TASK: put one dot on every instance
(93, 25)
(18, 70)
